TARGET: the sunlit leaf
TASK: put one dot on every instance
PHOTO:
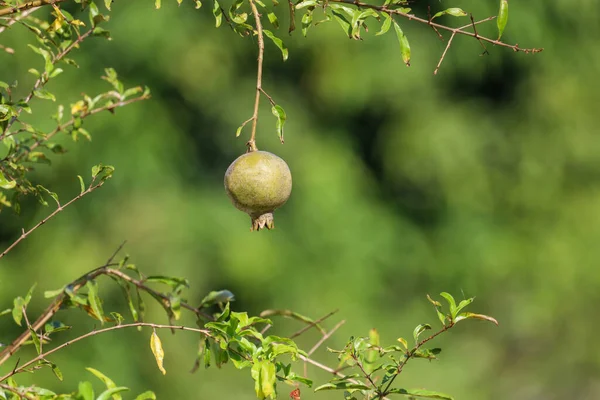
(279, 112)
(217, 13)
(468, 315)
(108, 393)
(428, 394)
(278, 42)
(387, 24)
(157, 350)
(404, 46)
(455, 12)
(94, 300)
(420, 329)
(107, 381)
(502, 17)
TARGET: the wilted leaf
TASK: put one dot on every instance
(468, 315)
(157, 350)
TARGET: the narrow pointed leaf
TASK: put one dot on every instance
(279, 112)
(404, 45)
(278, 42)
(427, 394)
(157, 350)
(502, 17)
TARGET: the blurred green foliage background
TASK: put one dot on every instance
(482, 180)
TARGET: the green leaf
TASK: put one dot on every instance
(52, 194)
(198, 4)
(428, 394)
(278, 42)
(342, 386)
(434, 302)
(53, 293)
(502, 17)
(86, 391)
(17, 311)
(455, 12)
(451, 303)
(101, 32)
(419, 330)
(387, 24)
(279, 112)
(358, 18)
(463, 304)
(55, 326)
(56, 72)
(94, 300)
(57, 372)
(343, 21)
(107, 381)
(107, 394)
(81, 184)
(149, 395)
(404, 46)
(35, 339)
(157, 4)
(173, 282)
(217, 13)
(214, 297)
(307, 3)
(107, 4)
(307, 19)
(5, 183)
(44, 94)
(263, 373)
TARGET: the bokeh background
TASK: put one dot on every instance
(481, 181)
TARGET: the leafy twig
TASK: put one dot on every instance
(75, 286)
(43, 79)
(28, 5)
(109, 107)
(60, 208)
(411, 353)
(97, 332)
(460, 30)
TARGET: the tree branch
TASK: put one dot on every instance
(60, 208)
(412, 352)
(96, 332)
(261, 49)
(28, 5)
(75, 286)
(43, 79)
(460, 30)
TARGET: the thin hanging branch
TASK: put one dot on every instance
(60, 208)
(43, 356)
(261, 49)
(460, 30)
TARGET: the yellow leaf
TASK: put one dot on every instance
(157, 350)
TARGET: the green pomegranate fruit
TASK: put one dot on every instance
(257, 183)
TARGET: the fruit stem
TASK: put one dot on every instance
(261, 49)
